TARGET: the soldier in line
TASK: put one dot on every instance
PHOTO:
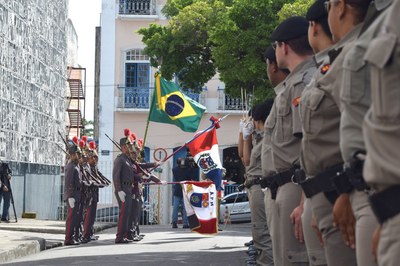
(124, 172)
(320, 109)
(72, 193)
(102, 181)
(252, 133)
(381, 130)
(293, 52)
(355, 97)
(87, 180)
(137, 197)
(275, 76)
(320, 39)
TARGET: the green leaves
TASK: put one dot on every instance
(204, 37)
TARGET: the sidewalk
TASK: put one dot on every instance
(29, 236)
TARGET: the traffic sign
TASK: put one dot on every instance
(160, 154)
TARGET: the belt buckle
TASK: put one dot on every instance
(292, 179)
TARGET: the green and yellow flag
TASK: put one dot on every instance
(169, 105)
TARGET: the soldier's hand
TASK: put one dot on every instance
(343, 218)
(121, 195)
(241, 125)
(314, 225)
(71, 202)
(295, 218)
(375, 242)
(5, 189)
(248, 129)
(163, 182)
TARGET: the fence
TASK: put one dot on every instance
(157, 201)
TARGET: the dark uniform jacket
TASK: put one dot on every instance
(123, 174)
(73, 181)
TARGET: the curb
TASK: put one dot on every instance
(22, 250)
(60, 230)
(35, 245)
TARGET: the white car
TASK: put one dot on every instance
(235, 207)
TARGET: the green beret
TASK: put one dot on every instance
(317, 11)
(290, 29)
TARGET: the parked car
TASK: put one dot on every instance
(238, 207)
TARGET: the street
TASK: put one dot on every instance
(161, 245)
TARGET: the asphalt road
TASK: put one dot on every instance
(161, 245)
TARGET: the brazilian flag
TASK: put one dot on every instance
(169, 105)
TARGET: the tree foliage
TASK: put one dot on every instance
(208, 36)
(297, 8)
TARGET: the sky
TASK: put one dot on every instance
(85, 15)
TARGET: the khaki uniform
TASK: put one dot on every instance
(285, 155)
(316, 253)
(356, 99)
(320, 112)
(267, 169)
(259, 229)
(382, 123)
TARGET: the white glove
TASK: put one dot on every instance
(241, 125)
(248, 129)
(163, 182)
(71, 202)
(121, 195)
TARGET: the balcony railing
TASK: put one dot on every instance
(227, 103)
(140, 97)
(134, 97)
(137, 7)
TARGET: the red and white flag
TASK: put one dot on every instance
(205, 152)
(200, 199)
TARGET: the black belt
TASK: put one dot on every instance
(322, 183)
(252, 182)
(273, 182)
(385, 204)
(352, 178)
(127, 183)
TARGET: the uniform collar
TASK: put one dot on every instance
(382, 4)
(278, 88)
(307, 63)
(320, 57)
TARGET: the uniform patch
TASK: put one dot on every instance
(296, 101)
(325, 68)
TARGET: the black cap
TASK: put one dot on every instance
(74, 149)
(317, 11)
(124, 141)
(290, 29)
(270, 54)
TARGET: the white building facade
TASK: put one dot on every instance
(33, 69)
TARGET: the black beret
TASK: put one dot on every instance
(289, 29)
(262, 110)
(317, 11)
(270, 54)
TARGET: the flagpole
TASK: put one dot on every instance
(151, 109)
(195, 137)
(147, 128)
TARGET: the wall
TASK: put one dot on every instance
(33, 69)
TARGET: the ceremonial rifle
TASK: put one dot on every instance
(147, 173)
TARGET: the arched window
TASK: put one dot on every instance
(137, 79)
